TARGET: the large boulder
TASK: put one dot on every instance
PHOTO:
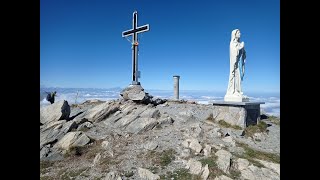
(141, 125)
(57, 111)
(252, 173)
(129, 117)
(151, 145)
(44, 151)
(72, 139)
(192, 144)
(145, 121)
(54, 131)
(207, 150)
(99, 112)
(229, 141)
(242, 164)
(205, 172)
(224, 160)
(134, 92)
(194, 167)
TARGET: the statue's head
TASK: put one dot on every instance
(235, 34)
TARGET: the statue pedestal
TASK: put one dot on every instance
(235, 98)
(241, 114)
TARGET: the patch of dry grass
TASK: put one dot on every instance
(165, 157)
(214, 171)
(261, 127)
(66, 174)
(159, 158)
(274, 120)
(250, 154)
(227, 125)
(44, 166)
(210, 118)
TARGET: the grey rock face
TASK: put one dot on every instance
(192, 144)
(194, 130)
(195, 145)
(147, 175)
(152, 145)
(137, 134)
(53, 156)
(205, 172)
(224, 160)
(100, 112)
(72, 139)
(242, 164)
(112, 176)
(130, 116)
(229, 140)
(54, 131)
(253, 173)
(185, 153)
(157, 101)
(57, 111)
(207, 150)
(44, 151)
(85, 125)
(136, 93)
(165, 119)
(105, 145)
(194, 167)
(141, 125)
(133, 92)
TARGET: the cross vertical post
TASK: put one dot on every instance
(134, 31)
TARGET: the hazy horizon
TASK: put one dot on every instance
(118, 87)
(79, 95)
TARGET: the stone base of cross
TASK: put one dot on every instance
(135, 83)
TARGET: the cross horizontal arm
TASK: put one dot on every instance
(138, 30)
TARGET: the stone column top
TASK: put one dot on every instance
(176, 76)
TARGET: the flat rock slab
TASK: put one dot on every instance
(72, 139)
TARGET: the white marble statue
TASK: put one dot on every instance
(237, 67)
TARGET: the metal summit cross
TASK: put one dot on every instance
(134, 31)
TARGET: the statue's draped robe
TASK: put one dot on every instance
(234, 86)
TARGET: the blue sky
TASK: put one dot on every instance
(81, 44)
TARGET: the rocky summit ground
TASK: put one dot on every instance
(123, 139)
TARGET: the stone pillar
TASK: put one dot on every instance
(176, 87)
